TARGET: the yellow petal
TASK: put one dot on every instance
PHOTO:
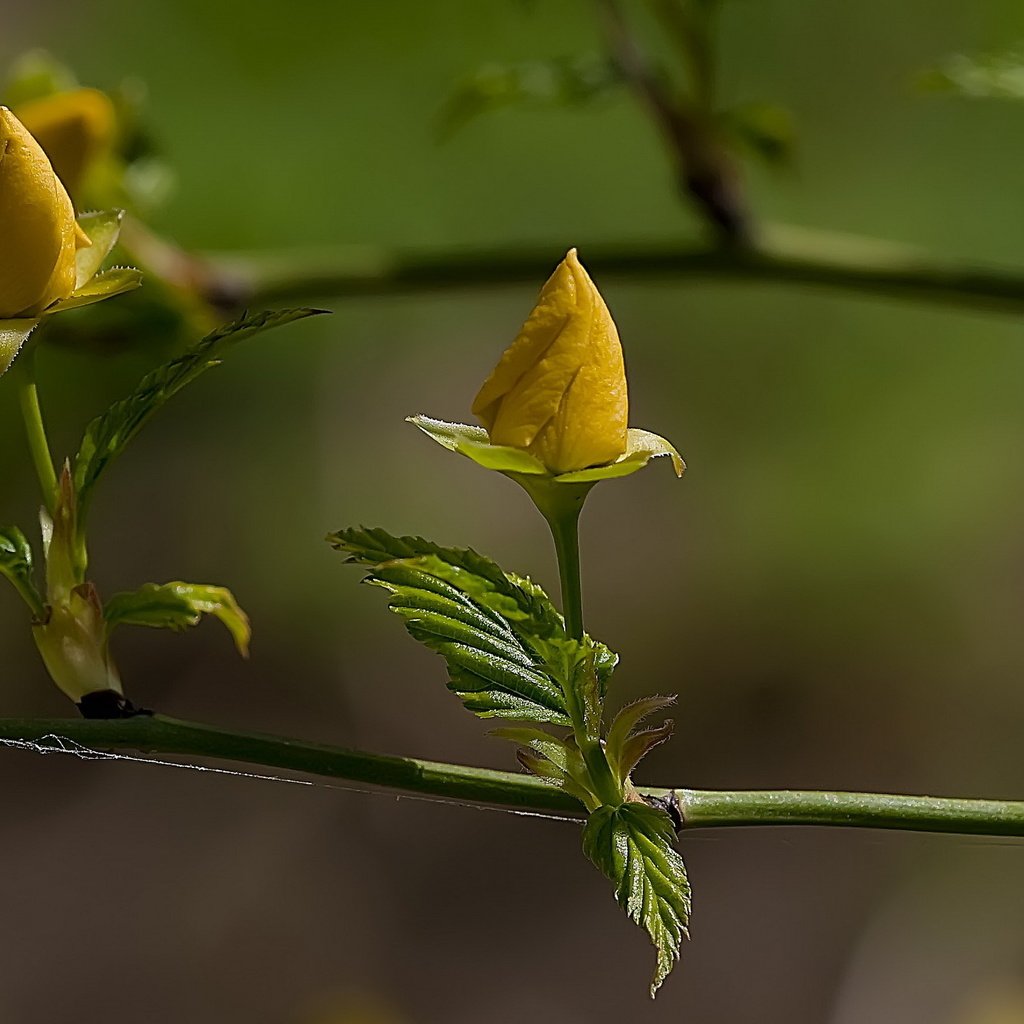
(38, 233)
(559, 390)
(74, 128)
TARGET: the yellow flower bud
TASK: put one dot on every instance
(559, 390)
(39, 235)
(74, 128)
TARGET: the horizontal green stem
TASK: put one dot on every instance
(159, 735)
(702, 808)
(699, 808)
(781, 255)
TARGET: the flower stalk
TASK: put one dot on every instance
(35, 429)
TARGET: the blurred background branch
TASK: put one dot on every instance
(782, 255)
(703, 141)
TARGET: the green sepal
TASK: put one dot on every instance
(474, 444)
(13, 335)
(109, 434)
(16, 565)
(633, 845)
(641, 447)
(103, 228)
(625, 745)
(115, 281)
(178, 606)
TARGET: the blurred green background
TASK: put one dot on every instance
(834, 589)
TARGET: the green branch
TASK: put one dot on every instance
(783, 255)
(698, 808)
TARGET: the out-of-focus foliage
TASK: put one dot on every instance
(559, 82)
(127, 171)
(997, 76)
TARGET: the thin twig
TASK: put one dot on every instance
(707, 172)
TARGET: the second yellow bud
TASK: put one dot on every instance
(559, 390)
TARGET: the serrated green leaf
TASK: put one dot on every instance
(103, 228)
(464, 606)
(633, 845)
(515, 598)
(13, 335)
(16, 565)
(178, 606)
(108, 435)
(490, 669)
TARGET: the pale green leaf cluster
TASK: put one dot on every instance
(509, 656)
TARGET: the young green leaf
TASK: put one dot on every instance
(555, 760)
(108, 435)
(490, 669)
(16, 566)
(517, 599)
(633, 845)
(505, 642)
(624, 745)
(178, 606)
